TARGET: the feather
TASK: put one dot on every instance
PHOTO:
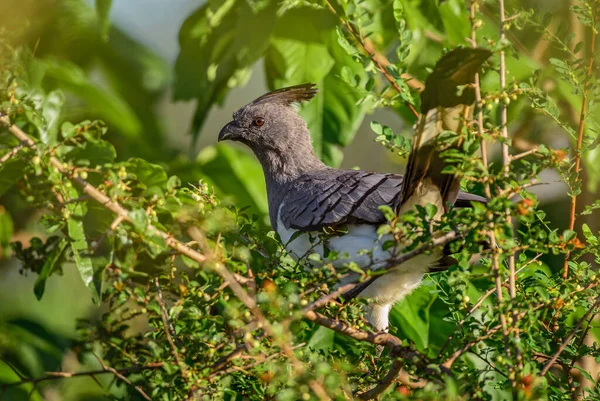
(444, 108)
(290, 95)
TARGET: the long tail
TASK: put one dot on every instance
(445, 106)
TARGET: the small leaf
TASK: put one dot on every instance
(388, 212)
(151, 177)
(10, 171)
(49, 267)
(431, 210)
(139, 219)
(569, 235)
(322, 339)
(79, 245)
(51, 110)
(80, 249)
(411, 316)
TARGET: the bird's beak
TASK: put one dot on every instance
(230, 132)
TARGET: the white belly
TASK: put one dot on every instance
(363, 246)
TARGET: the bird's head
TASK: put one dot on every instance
(271, 121)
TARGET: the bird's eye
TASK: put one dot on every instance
(259, 121)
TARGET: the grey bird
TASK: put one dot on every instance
(306, 195)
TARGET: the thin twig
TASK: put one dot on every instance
(506, 160)
(384, 383)
(479, 303)
(12, 152)
(224, 361)
(170, 332)
(580, 132)
(66, 375)
(120, 376)
(484, 157)
(260, 359)
(568, 339)
(523, 154)
(113, 226)
(447, 364)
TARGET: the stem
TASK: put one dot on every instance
(506, 158)
(580, 132)
(569, 337)
(170, 332)
(385, 382)
(66, 375)
(12, 152)
(484, 158)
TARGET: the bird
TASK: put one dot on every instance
(307, 197)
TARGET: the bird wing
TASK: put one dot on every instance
(335, 197)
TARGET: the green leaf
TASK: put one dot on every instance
(49, 267)
(51, 109)
(10, 171)
(6, 229)
(103, 11)
(411, 316)
(568, 235)
(139, 219)
(151, 177)
(93, 154)
(236, 173)
(109, 106)
(219, 43)
(388, 212)
(305, 48)
(453, 14)
(322, 339)
(79, 246)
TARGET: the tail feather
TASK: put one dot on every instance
(444, 107)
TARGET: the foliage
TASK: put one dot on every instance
(196, 299)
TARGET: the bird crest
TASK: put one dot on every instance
(290, 95)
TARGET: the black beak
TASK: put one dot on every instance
(230, 132)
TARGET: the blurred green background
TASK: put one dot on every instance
(129, 68)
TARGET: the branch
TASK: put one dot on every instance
(450, 361)
(385, 339)
(479, 303)
(12, 152)
(384, 383)
(170, 332)
(580, 132)
(477, 85)
(397, 350)
(120, 376)
(506, 157)
(523, 154)
(439, 241)
(101, 198)
(65, 375)
(567, 340)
